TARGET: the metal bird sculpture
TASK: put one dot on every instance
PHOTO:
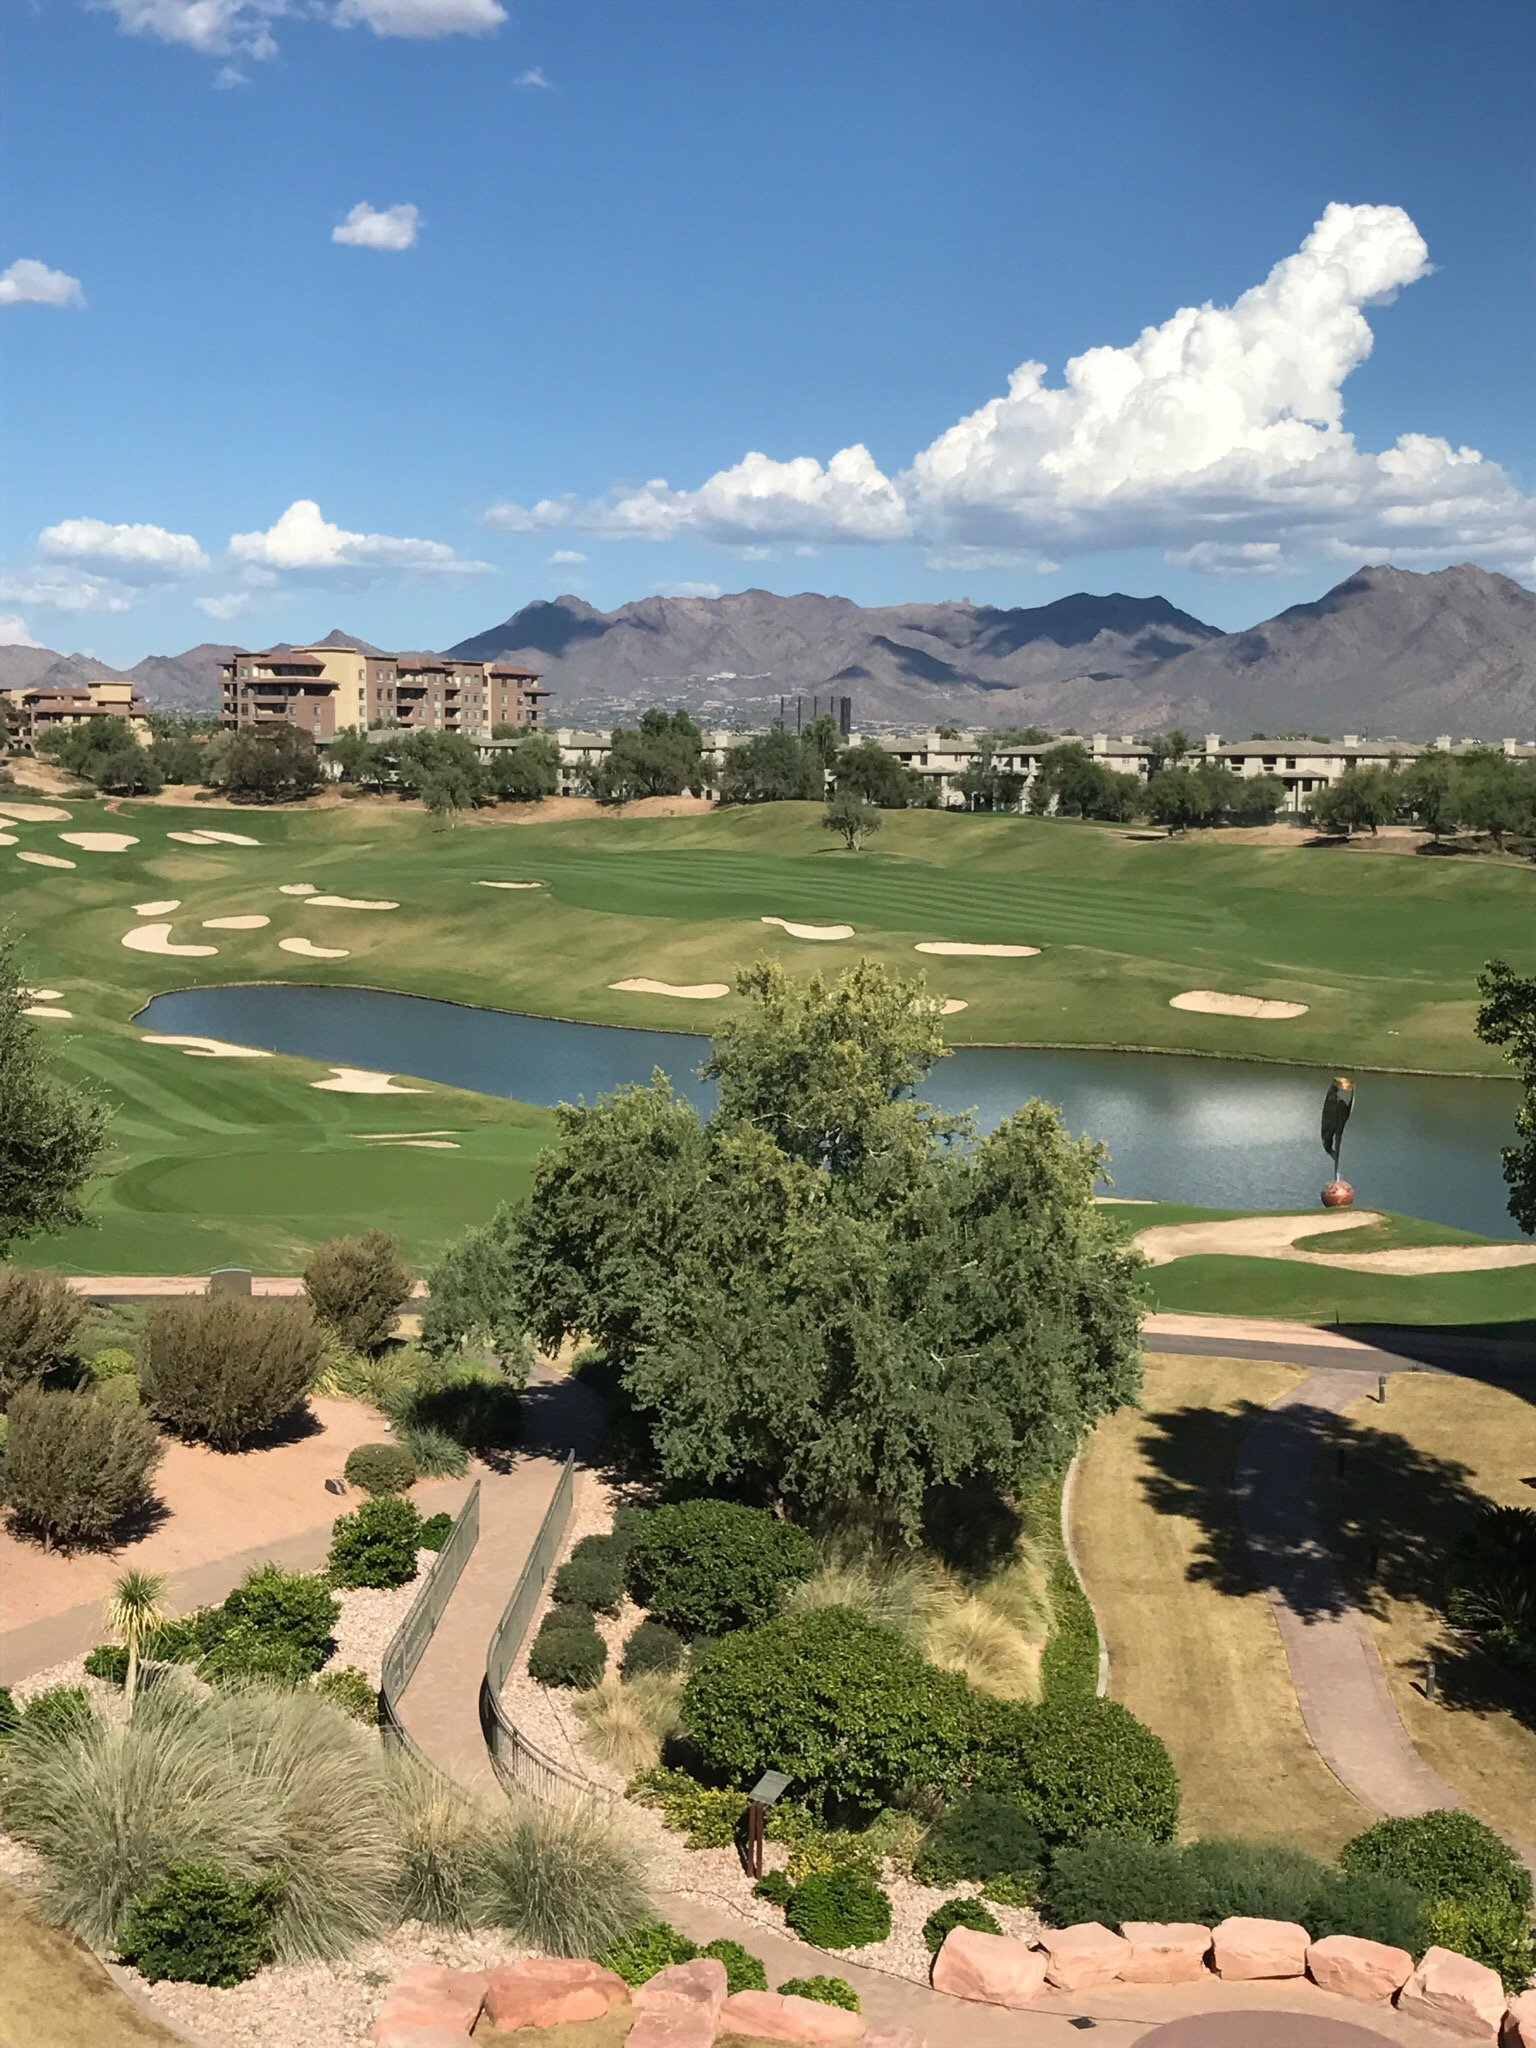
(1337, 1104)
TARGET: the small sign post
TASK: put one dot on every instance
(770, 1786)
(230, 1280)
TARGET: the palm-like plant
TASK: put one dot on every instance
(133, 1614)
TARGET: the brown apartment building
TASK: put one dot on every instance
(324, 690)
(31, 711)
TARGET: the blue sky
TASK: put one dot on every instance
(725, 293)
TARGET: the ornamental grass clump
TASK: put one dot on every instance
(225, 1368)
(566, 1881)
(625, 1721)
(441, 1834)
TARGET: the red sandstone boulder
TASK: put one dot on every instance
(407, 2034)
(1244, 1949)
(991, 1967)
(1520, 2022)
(680, 2006)
(431, 1997)
(1078, 1958)
(782, 2016)
(548, 1991)
(1451, 1991)
(1355, 1968)
(1164, 1951)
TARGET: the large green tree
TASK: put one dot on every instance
(776, 766)
(1508, 1019)
(663, 757)
(51, 1135)
(827, 1293)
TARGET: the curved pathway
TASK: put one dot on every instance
(1342, 1689)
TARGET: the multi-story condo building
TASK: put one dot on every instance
(38, 708)
(324, 690)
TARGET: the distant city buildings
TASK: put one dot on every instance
(35, 709)
(324, 690)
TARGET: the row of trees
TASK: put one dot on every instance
(1486, 791)
(445, 770)
(278, 764)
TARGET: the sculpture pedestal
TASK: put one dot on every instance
(1338, 1195)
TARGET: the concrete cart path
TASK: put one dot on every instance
(1342, 1689)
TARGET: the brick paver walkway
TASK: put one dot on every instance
(1345, 1700)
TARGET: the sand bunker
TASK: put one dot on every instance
(367, 1135)
(156, 938)
(34, 814)
(952, 1006)
(1211, 1003)
(959, 949)
(45, 1010)
(46, 860)
(1274, 1237)
(359, 1081)
(161, 909)
(427, 1144)
(206, 1048)
(810, 931)
(297, 888)
(692, 991)
(353, 903)
(192, 838)
(100, 842)
(230, 838)
(42, 995)
(307, 951)
(253, 923)
(509, 885)
(9, 839)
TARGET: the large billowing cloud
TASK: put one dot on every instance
(305, 544)
(1218, 437)
(133, 554)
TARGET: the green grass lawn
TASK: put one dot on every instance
(225, 1160)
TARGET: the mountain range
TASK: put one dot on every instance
(1387, 651)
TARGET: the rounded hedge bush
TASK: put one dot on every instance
(957, 1913)
(776, 1887)
(825, 1991)
(380, 1468)
(1491, 1929)
(376, 1544)
(983, 1835)
(566, 1653)
(1080, 1766)
(593, 1575)
(653, 1647)
(58, 1713)
(434, 1531)
(113, 1362)
(708, 1566)
(839, 1909)
(1367, 1903)
(199, 1926)
(245, 1654)
(1257, 1880)
(291, 1607)
(849, 1709)
(743, 1970)
(350, 1690)
(1443, 1855)
(1110, 1878)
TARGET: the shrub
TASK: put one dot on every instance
(652, 1646)
(376, 1544)
(983, 1835)
(1493, 1582)
(441, 1837)
(707, 1816)
(380, 1468)
(76, 1464)
(706, 1566)
(564, 1653)
(825, 1991)
(434, 1453)
(114, 1362)
(849, 1709)
(644, 1949)
(260, 1782)
(1260, 1880)
(244, 1655)
(289, 1607)
(108, 1661)
(743, 1970)
(774, 1886)
(1079, 1766)
(1490, 1928)
(225, 1368)
(1366, 1903)
(57, 1713)
(352, 1691)
(434, 1531)
(197, 1926)
(593, 1575)
(957, 1913)
(40, 1318)
(357, 1286)
(474, 1405)
(1443, 1855)
(564, 1880)
(839, 1909)
(1010, 1888)
(625, 1722)
(1110, 1878)
(10, 1713)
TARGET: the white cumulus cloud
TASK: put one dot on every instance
(531, 518)
(133, 554)
(422, 17)
(390, 227)
(304, 543)
(534, 76)
(26, 282)
(1217, 432)
(214, 28)
(231, 606)
(686, 589)
(13, 632)
(68, 590)
(566, 558)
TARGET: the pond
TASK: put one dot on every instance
(1228, 1134)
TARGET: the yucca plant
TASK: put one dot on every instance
(134, 1615)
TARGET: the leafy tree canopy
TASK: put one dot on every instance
(772, 767)
(51, 1135)
(665, 757)
(874, 773)
(1508, 1019)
